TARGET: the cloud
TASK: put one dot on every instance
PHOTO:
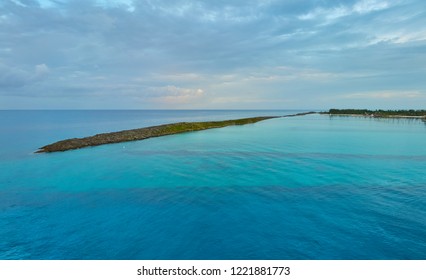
(13, 77)
(387, 94)
(189, 53)
(367, 6)
(175, 95)
(399, 37)
(41, 71)
(332, 13)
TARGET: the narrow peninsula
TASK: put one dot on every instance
(142, 133)
(149, 132)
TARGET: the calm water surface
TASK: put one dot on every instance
(310, 187)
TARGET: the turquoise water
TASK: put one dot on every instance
(310, 187)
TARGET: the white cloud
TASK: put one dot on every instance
(286, 74)
(387, 94)
(13, 77)
(330, 14)
(175, 95)
(41, 70)
(327, 14)
(179, 77)
(367, 6)
(19, 3)
(399, 37)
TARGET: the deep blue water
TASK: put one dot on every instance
(310, 187)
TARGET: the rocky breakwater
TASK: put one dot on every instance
(142, 133)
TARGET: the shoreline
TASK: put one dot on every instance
(397, 114)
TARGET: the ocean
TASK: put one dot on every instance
(307, 187)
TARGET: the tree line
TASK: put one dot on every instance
(378, 113)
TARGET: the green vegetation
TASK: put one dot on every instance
(379, 113)
(142, 133)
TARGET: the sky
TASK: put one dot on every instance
(241, 54)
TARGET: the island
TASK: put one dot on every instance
(149, 132)
(420, 114)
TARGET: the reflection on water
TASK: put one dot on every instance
(388, 120)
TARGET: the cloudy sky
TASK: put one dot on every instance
(221, 54)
